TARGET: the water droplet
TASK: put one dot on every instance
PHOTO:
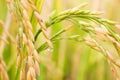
(49, 50)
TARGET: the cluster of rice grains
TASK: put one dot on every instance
(100, 40)
(27, 57)
(30, 67)
(101, 32)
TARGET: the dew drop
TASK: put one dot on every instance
(49, 50)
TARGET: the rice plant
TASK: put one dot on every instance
(68, 45)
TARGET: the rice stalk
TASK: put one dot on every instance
(28, 39)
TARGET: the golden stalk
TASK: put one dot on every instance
(28, 39)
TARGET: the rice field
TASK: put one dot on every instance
(59, 39)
